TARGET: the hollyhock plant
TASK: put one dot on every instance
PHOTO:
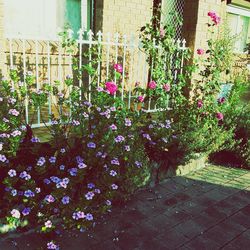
(111, 87)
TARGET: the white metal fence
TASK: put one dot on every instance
(49, 61)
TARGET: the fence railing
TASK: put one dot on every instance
(49, 61)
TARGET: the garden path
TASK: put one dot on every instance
(208, 209)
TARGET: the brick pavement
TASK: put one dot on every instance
(208, 209)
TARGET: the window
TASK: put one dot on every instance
(40, 19)
(239, 23)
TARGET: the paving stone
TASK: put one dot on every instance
(216, 195)
(241, 219)
(220, 235)
(173, 239)
(226, 207)
(241, 242)
(215, 212)
(190, 228)
(202, 243)
(246, 210)
(110, 245)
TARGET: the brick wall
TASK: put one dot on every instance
(1, 37)
(123, 16)
(196, 19)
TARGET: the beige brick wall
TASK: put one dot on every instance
(196, 19)
(1, 37)
(123, 16)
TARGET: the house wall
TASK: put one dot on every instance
(196, 19)
(1, 37)
(123, 16)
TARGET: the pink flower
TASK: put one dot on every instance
(162, 32)
(200, 51)
(111, 87)
(166, 87)
(199, 103)
(221, 100)
(118, 68)
(219, 116)
(152, 85)
(212, 14)
(214, 17)
(140, 98)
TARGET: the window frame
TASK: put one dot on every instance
(86, 23)
(239, 11)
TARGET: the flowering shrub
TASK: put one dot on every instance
(95, 158)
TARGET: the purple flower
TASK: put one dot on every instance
(3, 158)
(29, 193)
(73, 171)
(15, 213)
(138, 164)
(168, 124)
(89, 195)
(52, 159)
(91, 145)
(55, 179)
(49, 198)
(115, 161)
(48, 224)
(75, 123)
(114, 186)
(89, 216)
(12, 172)
(62, 167)
(41, 161)
(16, 133)
(119, 138)
(62, 150)
(52, 245)
(97, 190)
(80, 215)
(47, 181)
(65, 200)
(108, 203)
(127, 148)
(113, 173)
(113, 127)
(26, 211)
(14, 192)
(147, 136)
(35, 139)
(81, 165)
(91, 185)
(25, 175)
(13, 112)
(128, 122)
